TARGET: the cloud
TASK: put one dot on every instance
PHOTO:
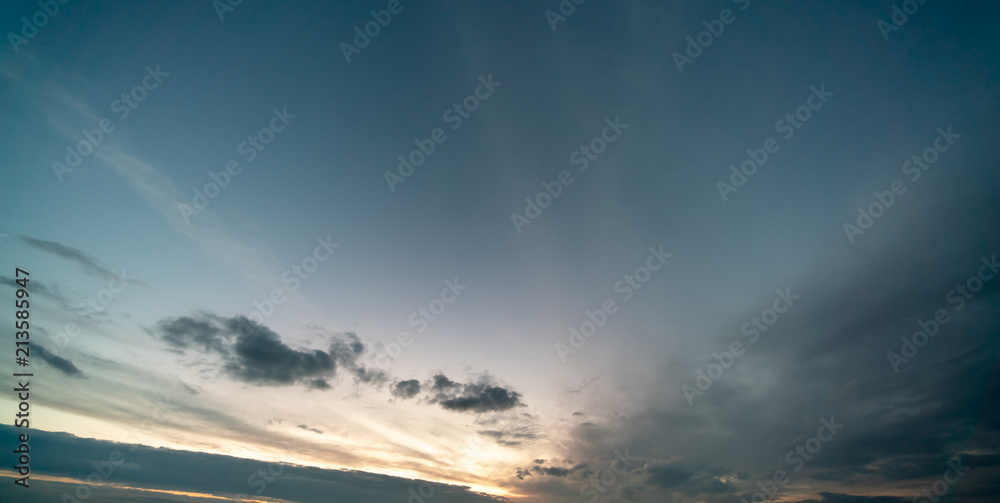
(667, 475)
(477, 398)
(406, 389)
(556, 471)
(86, 263)
(183, 332)
(255, 354)
(521, 473)
(553, 471)
(39, 287)
(827, 356)
(260, 357)
(319, 384)
(441, 383)
(307, 428)
(502, 436)
(829, 497)
(209, 474)
(509, 430)
(57, 361)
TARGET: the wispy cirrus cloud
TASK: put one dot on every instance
(86, 263)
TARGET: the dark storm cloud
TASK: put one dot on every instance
(255, 354)
(319, 384)
(406, 389)
(86, 263)
(260, 357)
(477, 398)
(654, 479)
(847, 498)
(57, 361)
(61, 454)
(667, 475)
(553, 471)
(826, 356)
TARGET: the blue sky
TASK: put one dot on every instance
(482, 395)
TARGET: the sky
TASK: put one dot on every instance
(516, 251)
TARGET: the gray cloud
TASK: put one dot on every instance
(256, 355)
(406, 389)
(41, 288)
(826, 356)
(509, 430)
(63, 364)
(307, 428)
(441, 383)
(260, 357)
(667, 475)
(184, 332)
(209, 474)
(829, 497)
(510, 438)
(478, 397)
(87, 264)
